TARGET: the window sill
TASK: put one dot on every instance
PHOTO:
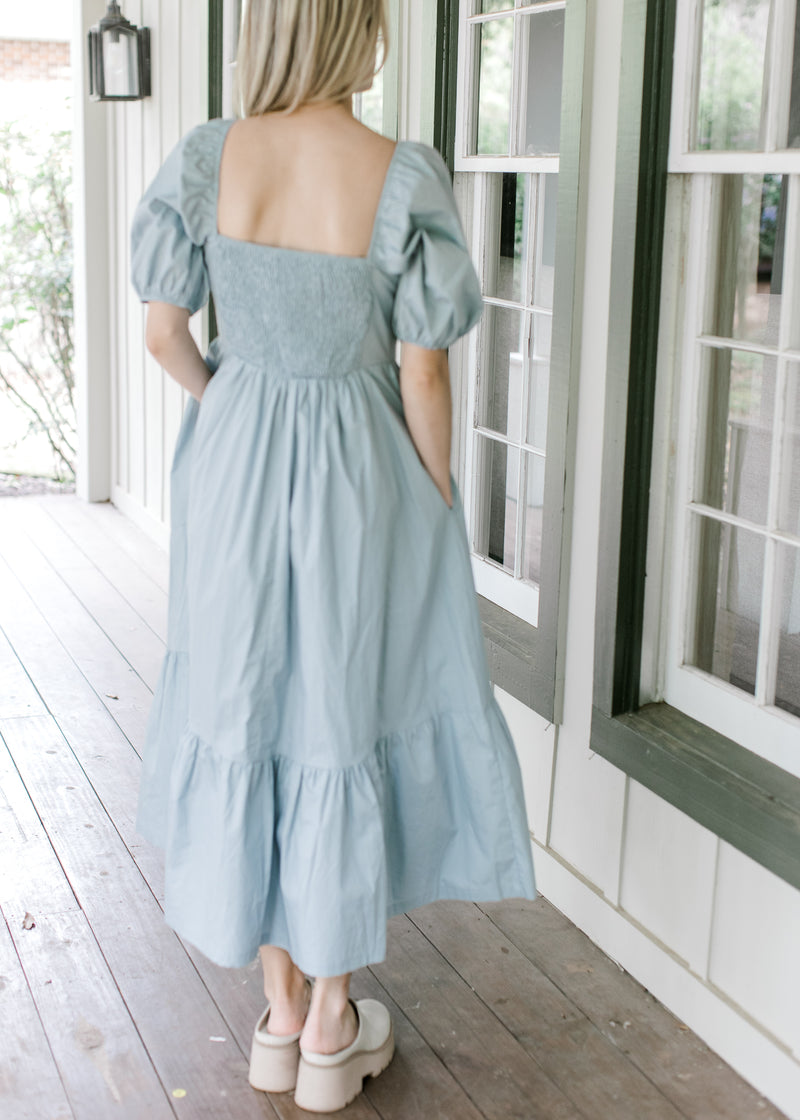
(747, 801)
(511, 649)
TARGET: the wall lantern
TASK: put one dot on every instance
(119, 58)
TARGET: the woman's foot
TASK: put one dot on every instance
(331, 1024)
(288, 1010)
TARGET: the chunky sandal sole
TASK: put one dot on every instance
(273, 1059)
(273, 1070)
(329, 1088)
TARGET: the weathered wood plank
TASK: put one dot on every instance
(502, 1080)
(697, 1081)
(112, 677)
(18, 697)
(30, 1084)
(587, 1066)
(140, 647)
(88, 532)
(104, 1067)
(174, 1013)
(416, 1085)
(105, 754)
(31, 878)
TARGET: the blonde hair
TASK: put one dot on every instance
(292, 52)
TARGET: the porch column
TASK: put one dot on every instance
(91, 269)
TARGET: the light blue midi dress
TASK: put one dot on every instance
(324, 749)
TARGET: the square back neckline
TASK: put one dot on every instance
(366, 259)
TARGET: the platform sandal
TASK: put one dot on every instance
(328, 1082)
(274, 1057)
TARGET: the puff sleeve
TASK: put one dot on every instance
(438, 296)
(166, 264)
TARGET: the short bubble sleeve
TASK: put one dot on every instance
(438, 296)
(167, 264)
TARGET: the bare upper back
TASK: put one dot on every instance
(310, 180)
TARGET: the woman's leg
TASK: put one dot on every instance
(331, 1023)
(286, 989)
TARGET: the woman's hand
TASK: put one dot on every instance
(169, 340)
(427, 403)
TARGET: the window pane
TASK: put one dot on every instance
(499, 387)
(793, 138)
(543, 56)
(496, 479)
(493, 6)
(746, 300)
(545, 241)
(787, 693)
(731, 88)
(534, 502)
(536, 431)
(739, 398)
(507, 208)
(496, 57)
(789, 506)
(368, 105)
(730, 574)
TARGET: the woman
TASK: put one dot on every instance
(324, 748)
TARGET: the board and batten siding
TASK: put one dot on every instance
(147, 405)
(711, 933)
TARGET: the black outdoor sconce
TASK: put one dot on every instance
(119, 58)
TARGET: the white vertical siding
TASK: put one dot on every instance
(148, 405)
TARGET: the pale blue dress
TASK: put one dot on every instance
(324, 748)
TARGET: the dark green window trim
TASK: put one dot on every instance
(444, 111)
(746, 800)
(511, 651)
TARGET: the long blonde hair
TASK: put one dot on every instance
(292, 52)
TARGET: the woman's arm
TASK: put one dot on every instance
(170, 342)
(425, 391)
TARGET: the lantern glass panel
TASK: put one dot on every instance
(120, 63)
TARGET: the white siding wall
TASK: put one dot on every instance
(147, 404)
(708, 931)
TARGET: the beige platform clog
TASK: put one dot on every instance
(328, 1082)
(274, 1057)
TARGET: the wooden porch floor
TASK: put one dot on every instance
(503, 1011)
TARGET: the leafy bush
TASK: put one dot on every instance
(36, 317)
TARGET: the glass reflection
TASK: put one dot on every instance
(738, 407)
(789, 505)
(534, 504)
(748, 246)
(730, 574)
(546, 241)
(497, 479)
(543, 44)
(496, 59)
(731, 86)
(502, 370)
(506, 219)
(787, 689)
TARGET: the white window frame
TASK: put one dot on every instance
(768, 731)
(514, 594)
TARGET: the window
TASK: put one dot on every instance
(516, 156)
(733, 627)
(507, 139)
(699, 427)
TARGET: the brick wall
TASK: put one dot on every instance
(29, 59)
